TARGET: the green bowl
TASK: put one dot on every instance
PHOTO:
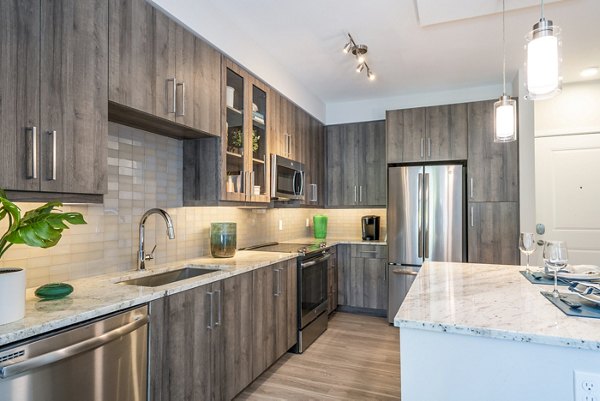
(54, 291)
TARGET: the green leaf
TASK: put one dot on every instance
(74, 218)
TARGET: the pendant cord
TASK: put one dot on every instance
(504, 50)
(542, 9)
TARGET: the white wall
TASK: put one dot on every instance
(575, 111)
(207, 21)
(374, 109)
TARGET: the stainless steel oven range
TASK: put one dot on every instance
(312, 288)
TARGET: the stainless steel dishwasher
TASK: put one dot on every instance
(101, 360)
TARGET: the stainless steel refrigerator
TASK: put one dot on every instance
(425, 222)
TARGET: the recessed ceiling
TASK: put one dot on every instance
(306, 38)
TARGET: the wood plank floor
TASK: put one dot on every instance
(357, 358)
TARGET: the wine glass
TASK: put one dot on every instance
(527, 246)
(555, 258)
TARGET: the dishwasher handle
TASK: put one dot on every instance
(14, 369)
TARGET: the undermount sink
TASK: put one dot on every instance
(156, 280)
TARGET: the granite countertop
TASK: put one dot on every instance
(493, 301)
(99, 295)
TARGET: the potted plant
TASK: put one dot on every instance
(42, 228)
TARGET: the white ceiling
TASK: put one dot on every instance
(407, 54)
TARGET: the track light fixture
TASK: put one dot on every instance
(359, 52)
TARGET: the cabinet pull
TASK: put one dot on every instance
(182, 113)
(52, 167)
(219, 308)
(32, 168)
(471, 187)
(422, 147)
(210, 311)
(276, 292)
(428, 147)
(355, 194)
(360, 194)
(368, 251)
(174, 93)
(472, 217)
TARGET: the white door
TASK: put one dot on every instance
(567, 189)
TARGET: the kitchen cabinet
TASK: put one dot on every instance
(362, 278)
(313, 143)
(492, 168)
(55, 126)
(493, 232)
(161, 73)
(200, 341)
(332, 281)
(356, 168)
(275, 323)
(434, 133)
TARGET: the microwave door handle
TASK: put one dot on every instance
(294, 182)
(301, 183)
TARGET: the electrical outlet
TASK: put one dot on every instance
(280, 224)
(307, 222)
(587, 386)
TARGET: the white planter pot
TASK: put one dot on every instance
(229, 93)
(12, 294)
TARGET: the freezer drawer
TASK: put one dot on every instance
(400, 280)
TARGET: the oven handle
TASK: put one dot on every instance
(72, 350)
(314, 262)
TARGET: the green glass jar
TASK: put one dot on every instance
(320, 226)
(223, 240)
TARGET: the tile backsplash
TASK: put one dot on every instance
(145, 171)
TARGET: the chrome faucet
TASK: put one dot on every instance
(142, 257)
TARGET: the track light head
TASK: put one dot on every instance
(370, 74)
(360, 67)
(347, 48)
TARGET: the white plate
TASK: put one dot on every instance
(595, 298)
(578, 272)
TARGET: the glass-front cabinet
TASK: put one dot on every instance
(246, 156)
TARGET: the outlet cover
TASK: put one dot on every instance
(587, 386)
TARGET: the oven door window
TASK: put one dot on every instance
(314, 287)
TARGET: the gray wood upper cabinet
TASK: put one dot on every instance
(362, 276)
(160, 68)
(493, 168)
(356, 168)
(275, 316)
(434, 133)
(493, 232)
(53, 104)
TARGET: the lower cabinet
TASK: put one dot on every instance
(332, 281)
(362, 277)
(210, 342)
(493, 232)
(275, 315)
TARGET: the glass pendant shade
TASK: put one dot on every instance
(543, 61)
(505, 120)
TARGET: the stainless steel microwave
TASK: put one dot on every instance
(287, 178)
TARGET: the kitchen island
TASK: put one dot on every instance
(483, 332)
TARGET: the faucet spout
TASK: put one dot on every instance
(142, 257)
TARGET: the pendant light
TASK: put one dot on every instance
(543, 60)
(505, 109)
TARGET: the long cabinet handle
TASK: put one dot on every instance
(368, 251)
(174, 94)
(471, 188)
(182, 112)
(72, 350)
(422, 147)
(219, 308)
(472, 217)
(428, 147)
(211, 321)
(360, 194)
(355, 194)
(52, 169)
(32, 166)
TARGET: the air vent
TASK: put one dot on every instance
(12, 356)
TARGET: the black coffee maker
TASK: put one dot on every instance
(370, 228)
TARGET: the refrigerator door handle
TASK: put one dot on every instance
(426, 216)
(420, 215)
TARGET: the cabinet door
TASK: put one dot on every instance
(236, 335)
(263, 304)
(492, 167)
(332, 284)
(287, 112)
(375, 286)
(182, 361)
(19, 94)
(285, 306)
(198, 72)
(343, 282)
(371, 168)
(74, 96)
(405, 132)
(342, 160)
(275, 133)
(446, 128)
(493, 232)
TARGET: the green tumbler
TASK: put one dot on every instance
(320, 225)
(223, 240)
